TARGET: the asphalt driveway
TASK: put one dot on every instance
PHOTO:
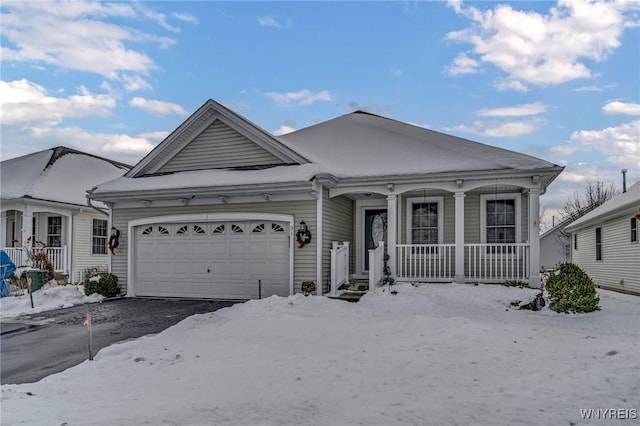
(33, 347)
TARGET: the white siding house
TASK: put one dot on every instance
(44, 203)
(205, 214)
(605, 242)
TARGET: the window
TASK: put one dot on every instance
(259, 228)
(33, 232)
(424, 223)
(501, 221)
(182, 230)
(598, 243)
(99, 237)
(54, 231)
(162, 230)
(575, 241)
(276, 228)
(199, 229)
(147, 231)
(219, 229)
(500, 218)
(634, 230)
(425, 220)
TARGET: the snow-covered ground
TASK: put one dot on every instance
(428, 355)
(50, 296)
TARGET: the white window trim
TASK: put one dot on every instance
(62, 242)
(106, 237)
(501, 196)
(409, 215)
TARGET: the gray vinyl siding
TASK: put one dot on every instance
(620, 266)
(82, 258)
(304, 259)
(219, 146)
(337, 220)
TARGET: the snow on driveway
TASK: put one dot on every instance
(429, 355)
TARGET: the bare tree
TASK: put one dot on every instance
(595, 194)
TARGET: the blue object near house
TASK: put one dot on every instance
(7, 267)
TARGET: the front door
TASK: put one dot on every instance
(375, 230)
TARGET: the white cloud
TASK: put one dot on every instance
(397, 72)
(24, 103)
(514, 111)
(621, 144)
(185, 17)
(463, 65)
(133, 83)
(283, 130)
(543, 49)
(504, 85)
(157, 107)
(155, 136)
(302, 97)
(269, 21)
(82, 36)
(121, 147)
(617, 107)
(498, 130)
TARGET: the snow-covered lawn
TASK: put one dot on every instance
(429, 355)
(50, 296)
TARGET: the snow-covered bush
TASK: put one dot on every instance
(105, 284)
(571, 290)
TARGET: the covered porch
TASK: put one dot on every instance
(27, 231)
(481, 230)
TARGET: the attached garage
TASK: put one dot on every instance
(221, 259)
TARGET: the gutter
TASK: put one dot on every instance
(98, 209)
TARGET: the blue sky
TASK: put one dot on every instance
(560, 81)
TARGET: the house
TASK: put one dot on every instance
(44, 201)
(217, 209)
(555, 242)
(605, 242)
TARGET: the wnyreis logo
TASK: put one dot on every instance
(609, 413)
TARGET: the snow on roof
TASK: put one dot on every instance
(59, 174)
(362, 144)
(609, 210)
(210, 178)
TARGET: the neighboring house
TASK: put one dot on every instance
(555, 242)
(605, 242)
(44, 201)
(554, 246)
(214, 210)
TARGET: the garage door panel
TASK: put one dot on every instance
(221, 260)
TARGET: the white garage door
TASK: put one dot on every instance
(212, 260)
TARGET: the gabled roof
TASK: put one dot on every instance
(198, 122)
(362, 144)
(620, 205)
(59, 174)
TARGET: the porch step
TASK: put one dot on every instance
(349, 295)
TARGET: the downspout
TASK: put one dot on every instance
(319, 240)
(98, 209)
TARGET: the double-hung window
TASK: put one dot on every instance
(634, 230)
(99, 237)
(500, 220)
(598, 243)
(425, 220)
(54, 231)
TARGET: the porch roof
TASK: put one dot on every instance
(361, 144)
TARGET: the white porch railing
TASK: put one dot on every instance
(376, 265)
(339, 266)
(57, 255)
(497, 262)
(425, 262)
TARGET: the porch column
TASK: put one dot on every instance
(459, 214)
(27, 224)
(534, 238)
(392, 231)
(3, 230)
